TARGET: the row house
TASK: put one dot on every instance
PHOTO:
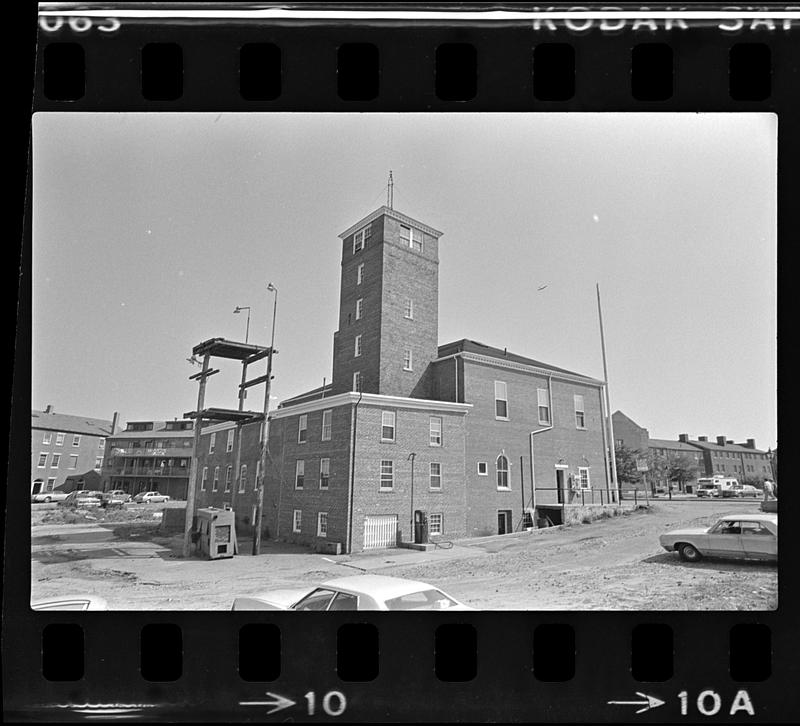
(64, 445)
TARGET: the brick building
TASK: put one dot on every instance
(150, 456)
(64, 445)
(721, 456)
(407, 425)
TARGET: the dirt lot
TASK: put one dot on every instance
(611, 564)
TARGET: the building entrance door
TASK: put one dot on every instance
(503, 521)
(560, 485)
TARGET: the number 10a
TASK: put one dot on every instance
(709, 703)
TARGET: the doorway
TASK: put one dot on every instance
(560, 485)
(503, 521)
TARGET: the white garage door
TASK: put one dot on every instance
(380, 531)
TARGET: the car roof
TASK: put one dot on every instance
(381, 585)
(752, 516)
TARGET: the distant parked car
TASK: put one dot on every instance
(359, 592)
(54, 496)
(116, 496)
(751, 536)
(150, 498)
(742, 490)
(82, 498)
(78, 602)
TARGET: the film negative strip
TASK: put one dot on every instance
(192, 164)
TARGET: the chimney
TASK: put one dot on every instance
(720, 441)
(49, 408)
(702, 438)
(751, 443)
(114, 421)
(683, 438)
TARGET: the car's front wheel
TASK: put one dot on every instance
(47, 500)
(689, 553)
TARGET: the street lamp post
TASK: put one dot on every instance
(260, 499)
(239, 309)
(412, 456)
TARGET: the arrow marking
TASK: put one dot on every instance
(277, 702)
(648, 703)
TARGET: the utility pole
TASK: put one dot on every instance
(192, 485)
(260, 498)
(390, 192)
(608, 399)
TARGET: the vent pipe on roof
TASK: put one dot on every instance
(114, 421)
(49, 409)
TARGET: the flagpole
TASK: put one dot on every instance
(612, 443)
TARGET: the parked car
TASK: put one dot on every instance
(78, 602)
(742, 490)
(751, 536)
(150, 498)
(359, 592)
(54, 496)
(116, 496)
(82, 498)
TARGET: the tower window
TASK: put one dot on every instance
(408, 361)
(357, 346)
(360, 274)
(409, 309)
(299, 474)
(435, 432)
(358, 241)
(436, 476)
(357, 381)
(326, 425)
(359, 308)
(302, 428)
(411, 237)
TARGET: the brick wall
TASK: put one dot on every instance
(632, 435)
(412, 435)
(87, 451)
(487, 438)
(281, 495)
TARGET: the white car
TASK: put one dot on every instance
(82, 498)
(150, 498)
(116, 496)
(78, 602)
(740, 536)
(54, 496)
(359, 592)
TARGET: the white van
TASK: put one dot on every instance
(715, 486)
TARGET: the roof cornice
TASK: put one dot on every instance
(371, 399)
(394, 214)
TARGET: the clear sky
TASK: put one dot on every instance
(149, 229)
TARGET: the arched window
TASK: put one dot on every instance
(502, 472)
(37, 486)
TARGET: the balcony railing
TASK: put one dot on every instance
(167, 452)
(148, 471)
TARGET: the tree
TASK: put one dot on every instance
(681, 468)
(627, 472)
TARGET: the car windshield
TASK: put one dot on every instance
(421, 600)
(317, 600)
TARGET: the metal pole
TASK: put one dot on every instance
(608, 399)
(522, 484)
(192, 485)
(260, 498)
(412, 456)
(247, 328)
